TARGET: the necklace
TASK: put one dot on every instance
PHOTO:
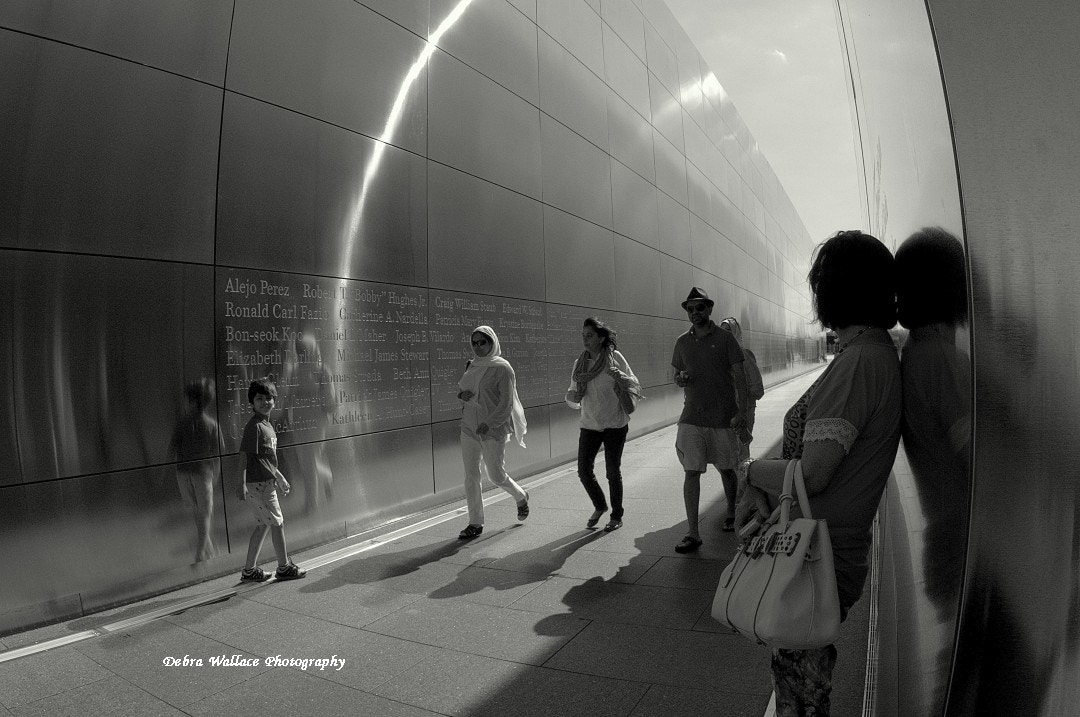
(847, 343)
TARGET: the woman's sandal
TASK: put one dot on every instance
(613, 524)
(471, 531)
(591, 522)
(523, 507)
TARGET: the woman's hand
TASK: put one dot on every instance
(753, 503)
(466, 396)
(241, 492)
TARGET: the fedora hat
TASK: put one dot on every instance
(697, 294)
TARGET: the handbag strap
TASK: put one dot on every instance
(793, 478)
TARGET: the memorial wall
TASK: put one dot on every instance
(336, 193)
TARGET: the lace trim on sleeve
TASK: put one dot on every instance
(837, 429)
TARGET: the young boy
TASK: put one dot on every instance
(259, 484)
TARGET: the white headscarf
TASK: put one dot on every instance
(735, 331)
(471, 380)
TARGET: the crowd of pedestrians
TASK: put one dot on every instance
(845, 429)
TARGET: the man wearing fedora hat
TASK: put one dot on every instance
(708, 367)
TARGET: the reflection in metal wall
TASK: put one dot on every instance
(1019, 637)
(367, 185)
(910, 182)
(994, 630)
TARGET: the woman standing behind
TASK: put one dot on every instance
(490, 413)
(600, 374)
(755, 389)
(845, 429)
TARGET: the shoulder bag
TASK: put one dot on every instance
(780, 589)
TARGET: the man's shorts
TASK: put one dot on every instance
(698, 446)
(262, 497)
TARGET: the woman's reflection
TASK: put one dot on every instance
(196, 437)
(936, 425)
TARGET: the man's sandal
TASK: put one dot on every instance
(688, 545)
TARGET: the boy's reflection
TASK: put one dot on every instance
(196, 437)
(936, 368)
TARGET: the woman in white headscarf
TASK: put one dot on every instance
(491, 412)
(754, 390)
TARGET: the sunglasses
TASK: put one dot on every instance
(692, 308)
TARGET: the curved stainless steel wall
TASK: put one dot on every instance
(981, 593)
(336, 193)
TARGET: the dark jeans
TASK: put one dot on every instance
(589, 442)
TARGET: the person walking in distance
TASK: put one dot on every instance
(708, 364)
(599, 375)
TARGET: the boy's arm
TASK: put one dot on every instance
(279, 480)
(241, 490)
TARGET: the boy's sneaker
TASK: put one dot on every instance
(289, 572)
(254, 575)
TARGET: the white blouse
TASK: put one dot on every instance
(600, 406)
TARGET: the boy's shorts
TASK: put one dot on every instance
(698, 446)
(262, 497)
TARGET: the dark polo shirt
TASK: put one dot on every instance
(708, 356)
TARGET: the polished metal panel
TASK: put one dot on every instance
(413, 16)
(527, 8)
(189, 39)
(100, 363)
(371, 72)
(625, 73)
(469, 222)
(626, 20)
(676, 279)
(104, 156)
(482, 128)
(358, 204)
(662, 61)
(667, 114)
(633, 205)
(637, 277)
(511, 60)
(705, 244)
(670, 169)
(348, 357)
(571, 93)
(9, 447)
(93, 535)
(674, 227)
(699, 148)
(630, 136)
(579, 261)
(699, 188)
(577, 175)
(575, 26)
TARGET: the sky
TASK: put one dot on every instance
(780, 62)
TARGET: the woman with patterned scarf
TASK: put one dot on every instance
(605, 389)
(490, 413)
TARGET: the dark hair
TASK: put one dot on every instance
(853, 278)
(931, 279)
(200, 393)
(606, 333)
(261, 386)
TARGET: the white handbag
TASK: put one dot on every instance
(780, 589)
